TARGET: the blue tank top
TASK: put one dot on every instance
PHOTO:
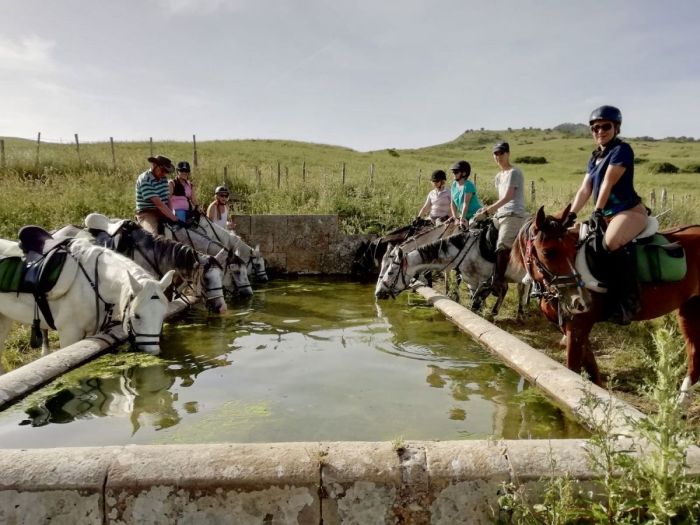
(622, 196)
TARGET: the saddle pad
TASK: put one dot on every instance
(659, 260)
(10, 249)
(57, 277)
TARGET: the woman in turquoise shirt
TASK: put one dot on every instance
(465, 202)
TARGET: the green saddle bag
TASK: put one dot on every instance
(659, 260)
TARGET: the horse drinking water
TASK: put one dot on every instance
(546, 249)
(96, 286)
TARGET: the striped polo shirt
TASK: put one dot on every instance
(147, 186)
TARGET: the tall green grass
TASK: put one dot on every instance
(381, 189)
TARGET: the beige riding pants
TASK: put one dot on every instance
(625, 226)
(148, 220)
(508, 228)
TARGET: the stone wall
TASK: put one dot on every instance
(303, 244)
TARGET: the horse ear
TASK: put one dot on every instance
(256, 250)
(565, 213)
(540, 218)
(135, 285)
(166, 280)
(221, 257)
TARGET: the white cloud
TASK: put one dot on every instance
(27, 54)
(180, 7)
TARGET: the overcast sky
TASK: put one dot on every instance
(362, 74)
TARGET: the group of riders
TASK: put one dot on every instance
(161, 201)
(618, 209)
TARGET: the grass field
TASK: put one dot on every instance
(382, 189)
(51, 186)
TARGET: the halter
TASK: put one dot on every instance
(131, 332)
(454, 263)
(551, 286)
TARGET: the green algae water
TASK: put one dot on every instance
(311, 359)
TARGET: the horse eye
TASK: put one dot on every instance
(137, 316)
(549, 253)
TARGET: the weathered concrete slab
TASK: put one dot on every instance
(266, 483)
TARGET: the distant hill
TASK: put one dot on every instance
(574, 130)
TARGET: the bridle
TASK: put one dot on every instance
(454, 263)
(550, 286)
(131, 332)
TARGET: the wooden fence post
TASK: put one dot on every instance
(2, 154)
(77, 147)
(258, 173)
(279, 174)
(194, 154)
(303, 172)
(343, 174)
(664, 197)
(420, 174)
(286, 175)
(371, 173)
(114, 158)
(652, 198)
(38, 146)
(150, 141)
(474, 178)
(532, 191)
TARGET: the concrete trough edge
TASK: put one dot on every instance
(327, 482)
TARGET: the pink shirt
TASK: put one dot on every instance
(178, 202)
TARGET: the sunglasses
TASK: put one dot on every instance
(222, 195)
(601, 127)
(498, 153)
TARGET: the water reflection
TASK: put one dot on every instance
(300, 361)
(468, 371)
(141, 394)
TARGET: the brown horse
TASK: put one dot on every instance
(547, 251)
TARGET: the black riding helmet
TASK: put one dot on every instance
(438, 175)
(221, 190)
(462, 166)
(610, 113)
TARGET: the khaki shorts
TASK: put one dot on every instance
(508, 228)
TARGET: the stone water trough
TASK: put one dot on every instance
(309, 483)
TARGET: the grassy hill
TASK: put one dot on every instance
(50, 185)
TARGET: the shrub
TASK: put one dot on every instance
(530, 160)
(693, 167)
(640, 160)
(663, 167)
(392, 152)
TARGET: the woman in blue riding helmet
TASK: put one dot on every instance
(617, 206)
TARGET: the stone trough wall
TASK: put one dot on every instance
(303, 244)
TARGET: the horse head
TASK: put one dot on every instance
(212, 280)
(143, 314)
(394, 279)
(257, 265)
(550, 254)
(236, 275)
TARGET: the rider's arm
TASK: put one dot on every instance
(612, 175)
(465, 206)
(500, 202)
(583, 194)
(425, 207)
(163, 209)
(210, 211)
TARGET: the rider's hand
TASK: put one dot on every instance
(481, 215)
(597, 219)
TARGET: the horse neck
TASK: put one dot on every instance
(165, 254)
(113, 282)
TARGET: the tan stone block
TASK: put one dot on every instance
(303, 261)
(243, 223)
(275, 262)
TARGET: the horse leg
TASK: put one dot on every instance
(523, 298)
(69, 335)
(689, 323)
(45, 342)
(578, 352)
(5, 325)
(502, 291)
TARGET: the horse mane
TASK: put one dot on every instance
(176, 254)
(431, 250)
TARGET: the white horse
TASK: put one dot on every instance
(456, 252)
(253, 259)
(96, 286)
(157, 255)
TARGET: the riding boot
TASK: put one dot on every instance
(624, 285)
(498, 281)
